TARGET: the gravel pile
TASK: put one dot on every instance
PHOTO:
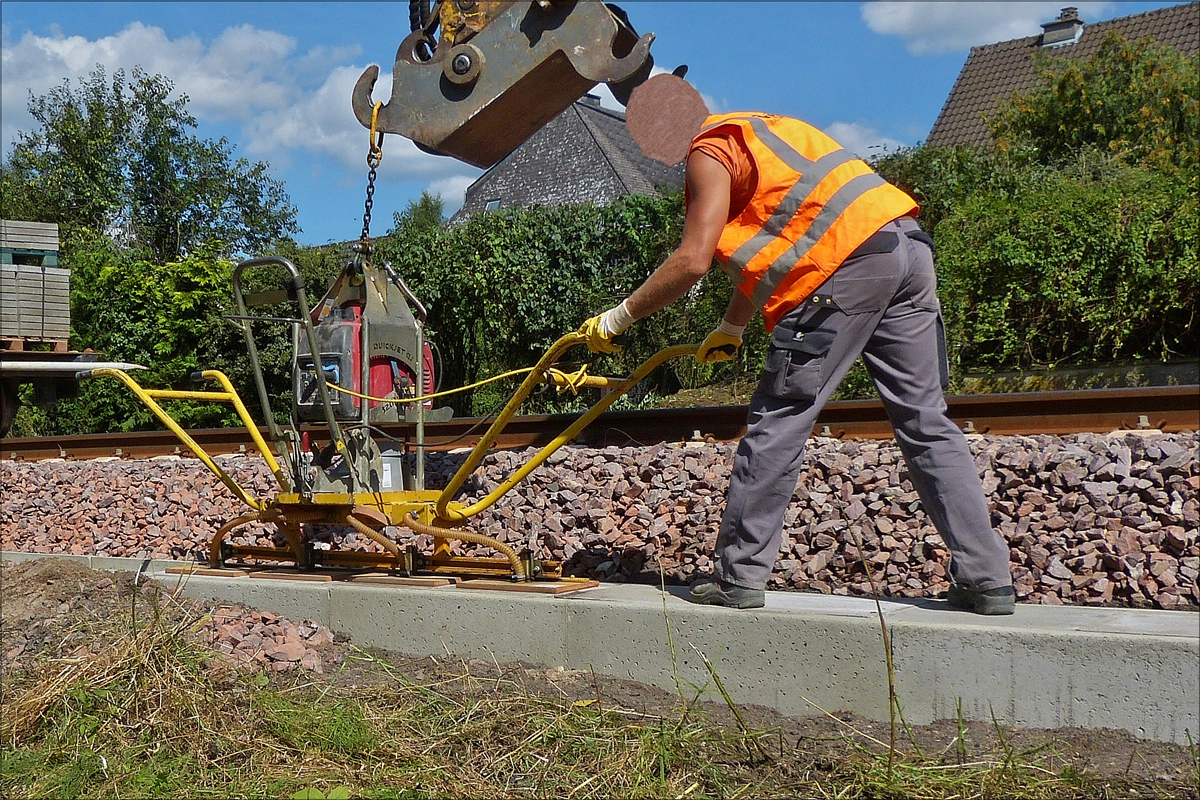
(54, 607)
(1089, 518)
(261, 639)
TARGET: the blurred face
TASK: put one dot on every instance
(664, 114)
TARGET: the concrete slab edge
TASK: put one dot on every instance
(1125, 669)
(107, 563)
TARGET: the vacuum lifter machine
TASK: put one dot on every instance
(364, 333)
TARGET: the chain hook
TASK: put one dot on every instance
(375, 146)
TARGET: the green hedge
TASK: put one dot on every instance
(1072, 268)
(504, 286)
(163, 316)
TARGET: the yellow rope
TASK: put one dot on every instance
(483, 382)
(571, 382)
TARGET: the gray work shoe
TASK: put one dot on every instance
(716, 592)
(992, 602)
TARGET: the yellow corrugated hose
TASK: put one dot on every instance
(514, 560)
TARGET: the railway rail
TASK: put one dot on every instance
(1170, 409)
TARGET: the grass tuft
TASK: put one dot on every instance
(156, 714)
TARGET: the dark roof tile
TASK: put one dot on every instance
(994, 72)
(584, 155)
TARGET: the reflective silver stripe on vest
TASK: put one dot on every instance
(811, 174)
(782, 150)
(789, 206)
(725, 121)
(834, 208)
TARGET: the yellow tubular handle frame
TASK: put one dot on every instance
(536, 376)
(150, 397)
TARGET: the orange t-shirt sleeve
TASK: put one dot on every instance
(719, 148)
(729, 152)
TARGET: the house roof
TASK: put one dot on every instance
(994, 72)
(584, 155)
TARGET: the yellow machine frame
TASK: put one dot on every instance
(425, 512)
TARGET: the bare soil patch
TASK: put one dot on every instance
(54, 608)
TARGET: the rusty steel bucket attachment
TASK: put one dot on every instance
(484, 88)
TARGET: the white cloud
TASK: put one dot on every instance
(607, 100)
(234, 77)
(713, 106)
(863, 141)
(452, 190)
(316, 63)
(284, 101)
(320, 121)
(946, 27)
(323, 122)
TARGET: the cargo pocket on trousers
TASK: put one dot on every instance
(794, 362)
(943, 353)
(866, 284)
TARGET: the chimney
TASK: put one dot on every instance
(1064, 30)
(590, 99)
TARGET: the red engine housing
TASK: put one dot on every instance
(340, 338)
(388, 373)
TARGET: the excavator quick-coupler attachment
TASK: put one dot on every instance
(498, 71)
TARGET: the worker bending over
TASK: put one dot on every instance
(833, 257)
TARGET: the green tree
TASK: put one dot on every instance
(1072, 239)
(163, 316)
(120, 158)
(1137, 101)
(941, 178)
(504, 286)
(74, 169)
(1075, 267)
(427, 211)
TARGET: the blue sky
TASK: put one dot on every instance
(275, 78)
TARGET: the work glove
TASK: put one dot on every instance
(602, 330)
(721, 345)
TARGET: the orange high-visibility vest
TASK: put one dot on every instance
(814, 204)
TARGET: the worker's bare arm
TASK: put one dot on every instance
(740, 309)
(708, 210)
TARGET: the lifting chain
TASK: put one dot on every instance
(374, 157)
(365, 238)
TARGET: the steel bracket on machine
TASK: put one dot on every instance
(478, 97)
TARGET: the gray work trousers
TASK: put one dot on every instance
(884, 306)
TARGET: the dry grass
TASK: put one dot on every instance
(154, 714)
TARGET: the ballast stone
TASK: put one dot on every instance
(1079, 531)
